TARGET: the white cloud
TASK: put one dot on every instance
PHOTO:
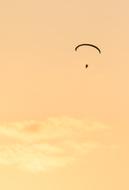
(41, 146)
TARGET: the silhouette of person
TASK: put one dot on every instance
(86, 66)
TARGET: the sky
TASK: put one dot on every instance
(63, 126)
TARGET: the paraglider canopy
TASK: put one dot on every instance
(91, 45)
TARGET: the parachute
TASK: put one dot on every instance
(91, 45)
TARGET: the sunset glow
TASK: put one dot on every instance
(64, 125)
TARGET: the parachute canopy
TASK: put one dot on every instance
(91, 45)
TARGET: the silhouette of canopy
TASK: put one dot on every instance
(91, 45)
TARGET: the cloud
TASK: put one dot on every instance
(44, 145)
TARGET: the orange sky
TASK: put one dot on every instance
(61, 126)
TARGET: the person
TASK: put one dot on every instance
(86, 66)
